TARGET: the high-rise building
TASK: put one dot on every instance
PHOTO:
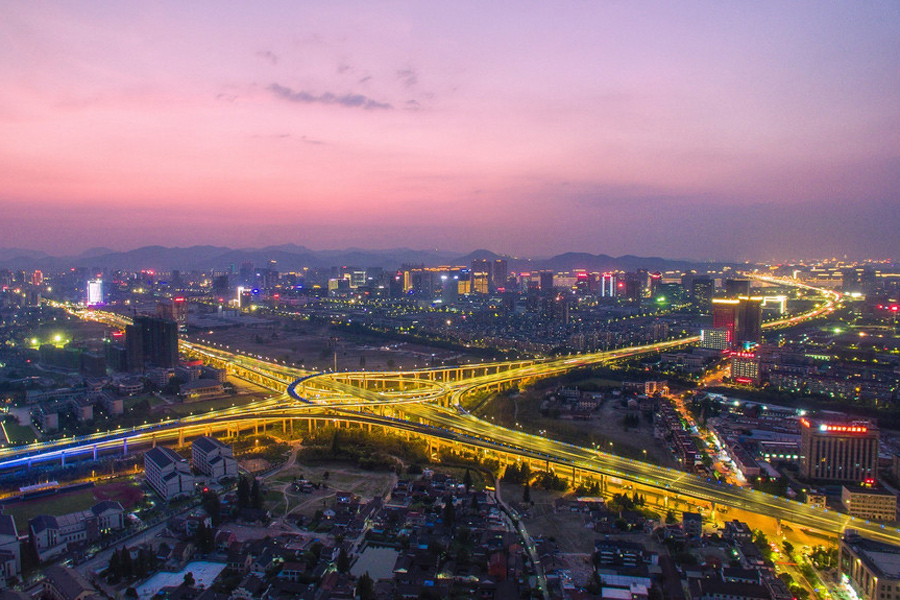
(737, 287)
(634, 286)
(481, 276)
(546, 281)
(159, 340)
(745, 367)
(838, 451)
(702, 288)
(175, 309)
(742, 317)
(609, 285)
(499, 274)
(220, 287)
(134, 348)
(37, 278)
(94, 292)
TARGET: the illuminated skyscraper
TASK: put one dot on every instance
(741, 317)
(95, 292)
(702, 288)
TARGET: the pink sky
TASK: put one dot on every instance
(526, 128)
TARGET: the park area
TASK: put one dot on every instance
(126, 492)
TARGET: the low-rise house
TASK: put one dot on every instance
(52, 535)
(63, 583)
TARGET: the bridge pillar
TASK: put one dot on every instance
(153, 441)
(181, 437)
(62, 457)
(95, 452)
(125, 446)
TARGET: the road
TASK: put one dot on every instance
(424, 418)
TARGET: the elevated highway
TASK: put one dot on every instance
(425, 404)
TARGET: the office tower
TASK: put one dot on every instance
(499, 274)
(37, 278)
(702, 288)
(159, 339)
(94, 292)
(745, 367)
(134, 348)
(741, 317)
(749, 321)
(220, 286)
(175, 309)
(175, 280)
(609, 285)
(838, 451)
(449, 288)
(737, 287)
(481, 276)
(633, 287)
(546, 280)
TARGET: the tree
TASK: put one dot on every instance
(343, 561)
(256, 500)
(449, 512)
(670, 517)
(209, 499)
(526, 493)
(243, 493)
(115, 567)
(127, 567)
(189, 579)
(467, 480)
(365, 587)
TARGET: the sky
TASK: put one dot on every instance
(703, 130)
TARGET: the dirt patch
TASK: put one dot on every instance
(125, 494)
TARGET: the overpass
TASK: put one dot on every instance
(425, 404)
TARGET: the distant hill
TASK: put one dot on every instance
(289, 257)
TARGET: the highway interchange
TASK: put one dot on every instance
(430, 409)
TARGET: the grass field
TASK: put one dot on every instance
(128, 494)
(180, 410)
(19, 434)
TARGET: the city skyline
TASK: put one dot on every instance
(700, 132)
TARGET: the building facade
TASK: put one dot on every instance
(213, 458)
(869, 503)
(167, 473)
(831, 451)
(870, 568)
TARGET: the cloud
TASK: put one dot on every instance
(268, 55)
(408, 77)
(346, 100)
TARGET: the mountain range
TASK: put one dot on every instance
(291, 257)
